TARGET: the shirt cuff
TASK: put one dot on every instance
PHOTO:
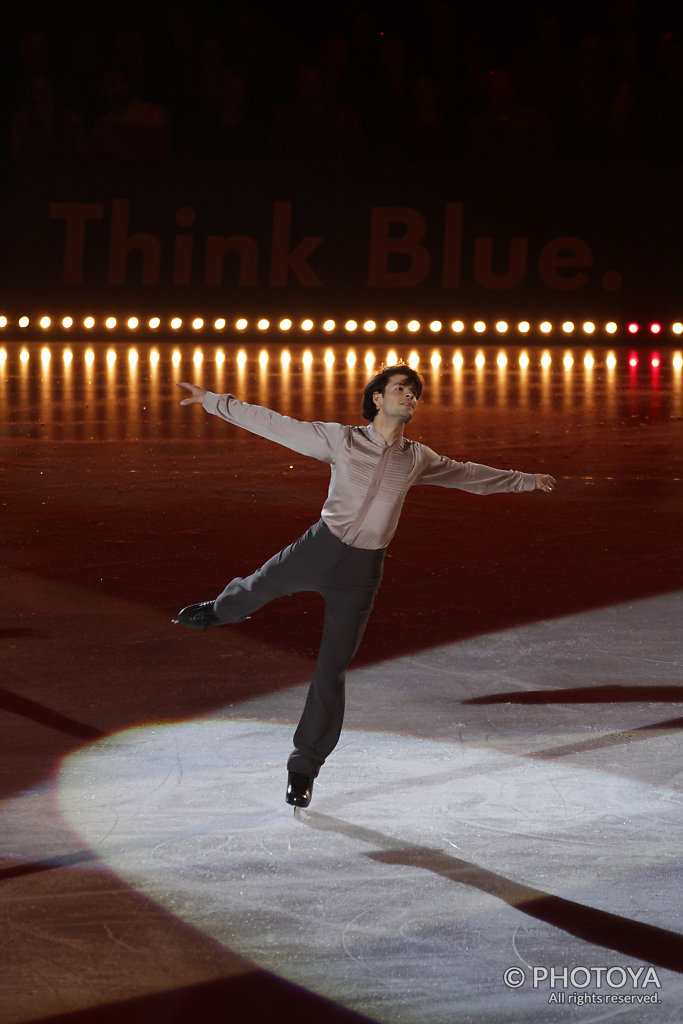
(210, 402)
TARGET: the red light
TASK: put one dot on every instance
(633, 328)
(655, 328)
(655, 361)
(633, 360)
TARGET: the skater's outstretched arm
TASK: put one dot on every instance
(479, 479)
(319, 440)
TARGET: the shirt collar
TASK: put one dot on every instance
(374, 435)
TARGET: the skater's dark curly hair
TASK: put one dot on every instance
(379, 383)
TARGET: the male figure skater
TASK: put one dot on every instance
(372, 467)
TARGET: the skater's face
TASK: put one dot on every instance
(399, 398)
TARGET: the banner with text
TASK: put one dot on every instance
(233, 238)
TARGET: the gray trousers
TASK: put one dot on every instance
(348, 579)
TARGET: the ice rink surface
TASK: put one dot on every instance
(497, 838)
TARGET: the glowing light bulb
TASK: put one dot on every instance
(176, 323)
(307, 359)
(329, 325)
(263, 359)
(655, 328)
(391, 325)
(392, 358)
(198, 357)
(154, 322)
(458, 360)
(220, 357)
(154, 357)
(241, 324)
(111, 357)
(413, 360)
(329, 358)
(501, 326)
(351, 358)
(413, 326)
(568, 361)
(502, 360)
(369, 326)
(480, 360)
(457, 327)
(132, 322)
(285, 359)
(175, 358)
(546, 360)
(480, 326)
(23, 321)
(307, 325)
(219, 324)
(23, 355)
(589, 361)
(677, 328)
(655, 361)
(610, 361)
(132, 358)
(45, 322)
(351, 325)
(589, 327)
(263, 324)
(435, 359)
(523, 360)
(285, 324)
(45, 357)
(633, 328)
(89, 357)
(3, 321)
(110, 322)
(435, 326)
(633, 360)
(546, 327)
(678, 361)
(67, 356)
(197, 323)
(524, 327)
(67, 322)
(369, 360)
(568, 327)
(241, 359)
(611, 327)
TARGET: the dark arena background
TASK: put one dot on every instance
(276, 203)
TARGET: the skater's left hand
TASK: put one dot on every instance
(544, 482)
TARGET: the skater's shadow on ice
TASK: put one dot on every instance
(587, 695)
(46, 716)
(644, 942)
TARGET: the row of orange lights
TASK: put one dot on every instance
(306, 325)
(458, 360)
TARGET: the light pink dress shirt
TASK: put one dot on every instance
(369, 478)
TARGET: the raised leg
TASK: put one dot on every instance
(295, 568)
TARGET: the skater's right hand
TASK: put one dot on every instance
(196, 394)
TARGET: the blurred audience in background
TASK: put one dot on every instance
(430, 80)
(43, 127)
(131, 128)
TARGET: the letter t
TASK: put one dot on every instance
(75, 215)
